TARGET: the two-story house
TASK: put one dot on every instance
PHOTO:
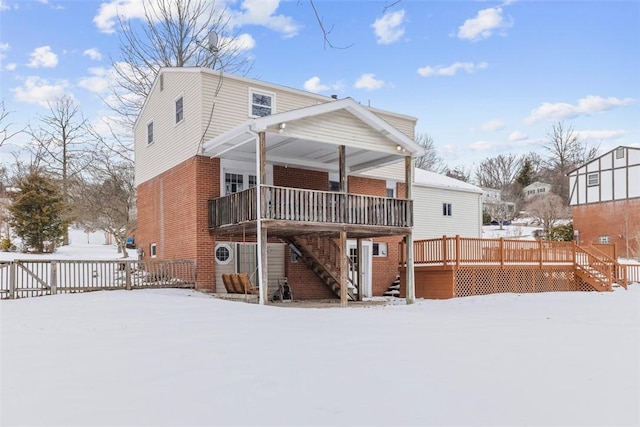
(536, 189)
(605, 200)
(247, 176)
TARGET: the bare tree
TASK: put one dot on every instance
(106, 192)
(565, 150)
(5, 133)
(61, 145)
(547, 210)
(173, 33)
(498, 172)
(430, 161)
(460, 173)
(501, 211)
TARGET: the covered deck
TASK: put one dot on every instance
(339, 137)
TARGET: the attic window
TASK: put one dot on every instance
(262, 103)
(593, 179)
(620, 153)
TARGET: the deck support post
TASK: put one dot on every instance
(410, 282)
(261, 232)
(358, 273)
(344, 264)
(344, 269)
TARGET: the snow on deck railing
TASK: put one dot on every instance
(25, 278)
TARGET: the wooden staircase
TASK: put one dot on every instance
(596, 270)
(322, 256)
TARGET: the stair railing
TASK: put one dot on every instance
(619, 271)
(600, 269)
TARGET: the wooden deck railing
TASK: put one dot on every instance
(467, 251)
(26, 278)
(294, 204)
(598, 267)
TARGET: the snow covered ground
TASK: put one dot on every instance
(177, 357)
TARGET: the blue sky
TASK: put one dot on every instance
(484, 78)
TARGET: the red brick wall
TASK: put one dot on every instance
(300, 178)
(173, 214)
(620, 220)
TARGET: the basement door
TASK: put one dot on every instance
(367, 261)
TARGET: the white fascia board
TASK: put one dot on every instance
(223, 138)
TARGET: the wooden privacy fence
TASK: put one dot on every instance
(26, 278)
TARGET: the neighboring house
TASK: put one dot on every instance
(442, 205)
(536, 189)
(493, 204)
(605, 200)
(247, 176)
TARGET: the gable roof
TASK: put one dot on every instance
(601, 156)
(435, 180)
(390, 142)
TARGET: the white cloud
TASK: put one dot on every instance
(586, 106)
(263, 12)
(492, 125)
(11, 66)
(93, 53)
(36, 90)
(3, 48)
(99, 81)
(43, 57)
(389, 28)
(600, 134)
(241, 43)
(107, 15)
(368, 81)
(452, 69)
(483, 25)
(314, 85)
(517, 136)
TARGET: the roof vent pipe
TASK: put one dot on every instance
(334, 96)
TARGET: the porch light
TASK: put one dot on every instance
(281, 127)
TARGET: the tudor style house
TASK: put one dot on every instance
(605, 199)
(250, 177)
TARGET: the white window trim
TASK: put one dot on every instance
(619, 153)
(261, 92)
(241, 168)
(597, 182)
(391, 185)
(449, 213)
(153, 250)
(153, 139)
(383, 249)
(174, 109)
(229, 248)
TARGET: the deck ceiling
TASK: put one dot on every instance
(299, 144)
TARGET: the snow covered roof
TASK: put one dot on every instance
(431, 179)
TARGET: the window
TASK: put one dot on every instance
(620, 153)
(262, 104)
(234, 182)
(391, 189)
(149, 132)
(334, 185)
(604, 239)
(446, 209)
(223, 253)
(541, 190)
(179, 110)
(153, 250)
(593, 179)
(380, 249)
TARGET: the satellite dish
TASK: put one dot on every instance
(213, 42)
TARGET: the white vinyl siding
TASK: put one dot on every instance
(216, 109)
(428, 208)
(171, 144)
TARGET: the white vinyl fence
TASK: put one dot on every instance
(26, 278)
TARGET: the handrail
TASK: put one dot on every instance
(619, 272)
(602, 267)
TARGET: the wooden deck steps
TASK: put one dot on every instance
(321, 255)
